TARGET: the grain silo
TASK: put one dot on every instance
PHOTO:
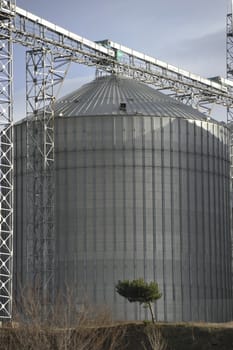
(142, 190)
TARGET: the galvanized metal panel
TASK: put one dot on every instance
(104, 96)
(139, 196)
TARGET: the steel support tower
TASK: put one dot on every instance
(229, 66)
(45, 72)
(229, 59)
(6, 161)
(50, 50)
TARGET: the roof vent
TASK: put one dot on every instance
(122, 106)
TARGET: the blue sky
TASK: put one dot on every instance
(188, 34)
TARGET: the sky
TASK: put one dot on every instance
(188, 34)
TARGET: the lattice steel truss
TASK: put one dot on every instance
(6, 164)
(229, 58)
(32, 31)
(229, 61)
(188, 88)
(44, 72)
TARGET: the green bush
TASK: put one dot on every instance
(139, 291)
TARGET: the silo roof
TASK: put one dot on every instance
(116, 95)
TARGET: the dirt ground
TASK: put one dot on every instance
(140, 336)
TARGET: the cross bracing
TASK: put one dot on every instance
(50, 48)
(44, 72)
(229, 64)
(229, 59)
(32, 31)
(6, 162)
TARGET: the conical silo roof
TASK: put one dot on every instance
(116, 95)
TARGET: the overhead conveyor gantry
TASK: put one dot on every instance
(35, 32)
(50, 50)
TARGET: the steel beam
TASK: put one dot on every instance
(6, 163)
(229, 66)
(45, 72)
(32, 31)
(229, 61)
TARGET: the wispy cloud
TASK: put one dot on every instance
(203, 54)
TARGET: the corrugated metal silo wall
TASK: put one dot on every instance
(140, 197)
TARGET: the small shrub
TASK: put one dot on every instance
(139, 291)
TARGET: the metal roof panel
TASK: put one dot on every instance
(112, 95)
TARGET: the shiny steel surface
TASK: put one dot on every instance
(104, 95)
(137, 195)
